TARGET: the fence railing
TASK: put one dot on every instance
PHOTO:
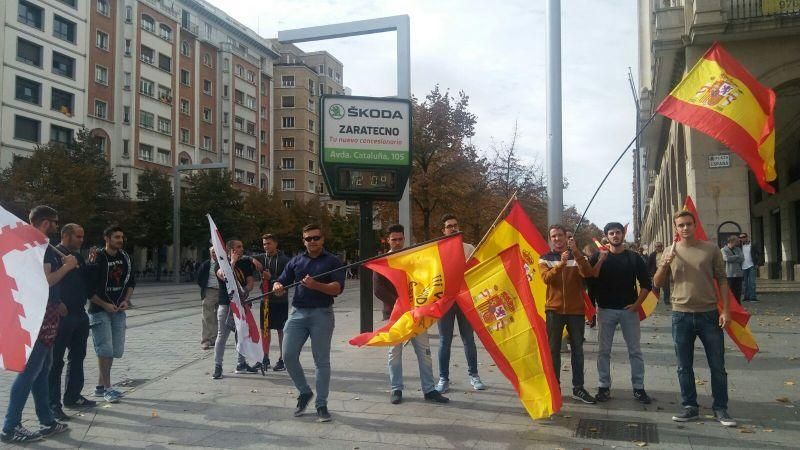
(751, 9)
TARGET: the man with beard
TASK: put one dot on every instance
(113, 286)
(73, 330)
(617, 271)
(275, 308)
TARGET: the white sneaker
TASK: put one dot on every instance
(476, 383)
(443, 386)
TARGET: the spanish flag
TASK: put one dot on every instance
(498, 304)
(427, 279)
(739, 328)
(721, 99)
(517, 229)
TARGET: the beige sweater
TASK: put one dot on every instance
(693, 271)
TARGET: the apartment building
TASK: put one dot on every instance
(158, 82)
(764, 36)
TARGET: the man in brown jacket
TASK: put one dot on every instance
(563, 270)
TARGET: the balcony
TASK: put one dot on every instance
(166, 7)
(228, 47)
(670, 25)
(755, 9)
(191, 28)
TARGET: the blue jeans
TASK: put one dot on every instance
(33, 380)
(226, 324)
(685, 328)
(318, 324)
(446, 329)
(750, 283)
(422, 348)
(607, 320)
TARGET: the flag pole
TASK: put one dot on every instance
(440, 238)
(494, 224)
(612, 169)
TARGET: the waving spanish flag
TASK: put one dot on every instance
(427, 279)
(721, 99)
(517, 229)
(499, 306)
(738, 329)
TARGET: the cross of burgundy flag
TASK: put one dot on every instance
(23, 289)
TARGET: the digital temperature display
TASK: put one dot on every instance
(367, 180)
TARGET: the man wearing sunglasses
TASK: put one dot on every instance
(311, 316)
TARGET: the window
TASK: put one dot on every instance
(338, 76)
(287, 81)
(185, 106)
(125, 146)
(61, 101)
(207, 114)
(102, 7)
(240, 70)
(63, 29)
(124, 181)
(72, 3)
(100, 109)
(321, 69)
(287, 122)
(263, 137)
(251, 128)
(127, 47)
(207, 87)
(148, 23)
(164, 62)
(147, 54)
(28, 91)
(225, 119)
(251, 153)
(63, 65)
(311, 105)
(101, 74)
(126, 81)
(209, 30)
(238, 123)
(30, 14)
(310, 185)
(288, 204)
(238, 96)
(60, 135)
(100, 143)
(165, 32)
(263, 112)
(311, 86)
(184, 135)
(225, 90)
(251, 76)
(287, 163)
(26, 129)
(146, 87)
(185, 50)
(184, 159)
(145, 152)
(128, 14)
(263, 160)
(321, 89)
(164, 125)
(250, 102)
(164, 94)
(238, 175)
(185, 77)
(310, 145)
(29, 53)
(330, 72)
(206, 143)
(310, 125)
(251, 178)
(310, 165)
(102, 40)
(164, 157)
(207, 59)
(238, 150)
(126, 114)
(287, 184)
(146, 119)
(287, 101)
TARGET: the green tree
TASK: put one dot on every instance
(152, 224)
(210, 192)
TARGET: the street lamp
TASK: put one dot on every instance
(176, 211)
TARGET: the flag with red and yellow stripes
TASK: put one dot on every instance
(427, 280)
(498, 303)
(720, 98)
(738, 329)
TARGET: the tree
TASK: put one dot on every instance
(152, 225)
(210, 192)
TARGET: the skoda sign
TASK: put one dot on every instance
(365, 146)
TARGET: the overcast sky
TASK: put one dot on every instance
(495, 52)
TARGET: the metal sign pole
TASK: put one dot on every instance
(366, 249)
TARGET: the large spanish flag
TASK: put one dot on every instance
(427, 279)
(721, 99)
(517, 229)
(498, 304)
(739, 328)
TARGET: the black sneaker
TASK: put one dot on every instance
(579, 393)
(724, 418)
(20, 434)
(603, 394)
(265, 363)
(279, 366)
(59, 413)
(689, 413)
(396, 397)
(54, 428)
(302, 403)
(436, 397)
(245, 368)
(323, 415)
(217, 372)
(81, 402)
(641, 395)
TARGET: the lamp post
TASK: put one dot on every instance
(555, 173)
(176, 211)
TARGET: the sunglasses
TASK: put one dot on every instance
(312, 238)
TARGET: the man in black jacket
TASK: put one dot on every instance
(274, 309)
(209, 295)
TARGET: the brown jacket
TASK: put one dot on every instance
(564, 282)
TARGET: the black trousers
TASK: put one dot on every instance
(73, 334)
(575, 327)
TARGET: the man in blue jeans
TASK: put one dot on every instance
(34, 379)
(447, 327)
(617, 271)
(694, 265)
(311, 316)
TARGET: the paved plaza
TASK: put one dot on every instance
(172, 402)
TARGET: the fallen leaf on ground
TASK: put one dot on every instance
(633, 425)
(154, 413)
(787, 319)
(356, 398)
(593, 429)
(107, 405)
(782, 400)
(640, 443)
(254, 391)
(768, 430)
(746, 430)
(789, 383)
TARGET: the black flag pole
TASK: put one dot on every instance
(612, 169)
(373, 258)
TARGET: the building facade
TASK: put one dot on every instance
(676, 161)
